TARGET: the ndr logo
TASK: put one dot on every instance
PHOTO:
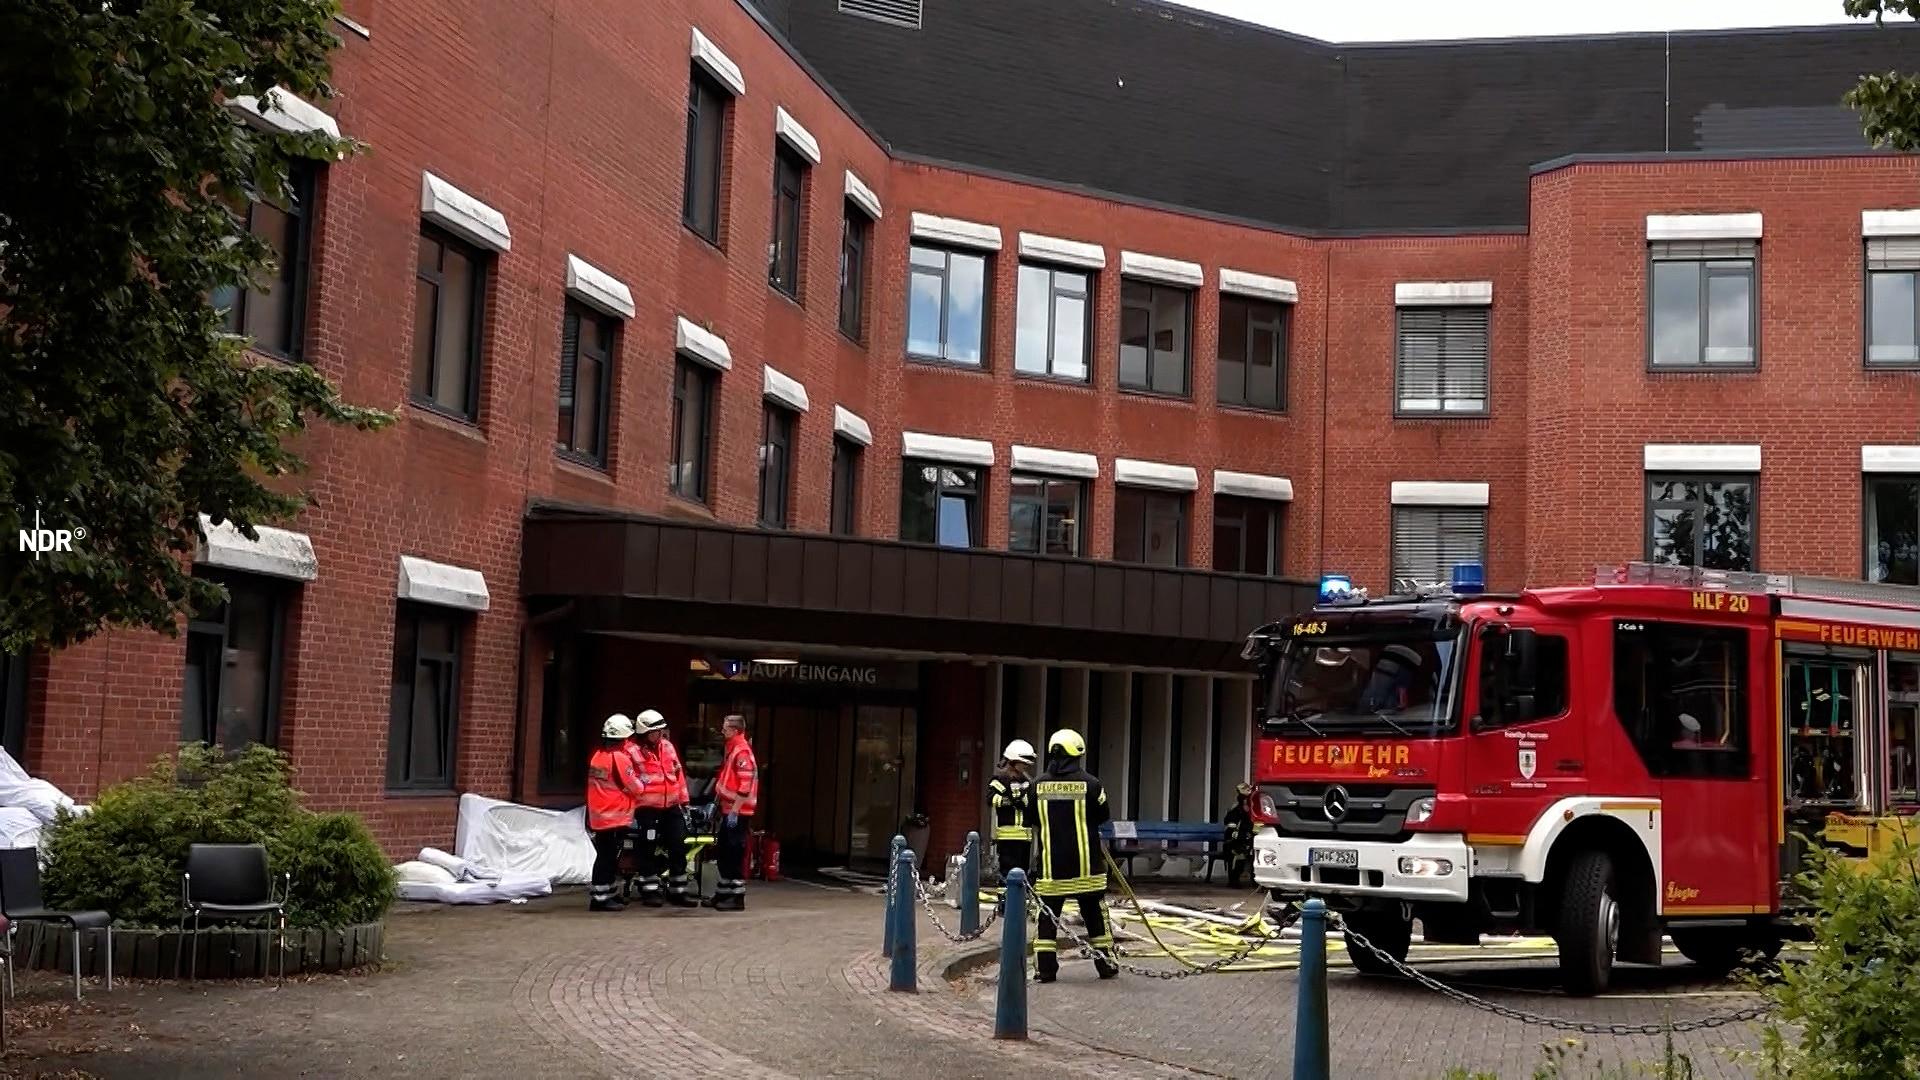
(43, 541)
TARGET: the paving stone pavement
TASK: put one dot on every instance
(794, 987)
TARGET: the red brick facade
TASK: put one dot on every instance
(573, 126)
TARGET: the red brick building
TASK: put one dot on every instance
(733, 371)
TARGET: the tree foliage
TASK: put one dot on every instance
(1888, 102)
(125, 409)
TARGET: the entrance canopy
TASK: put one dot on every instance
(625, 573)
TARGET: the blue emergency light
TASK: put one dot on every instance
(1469, 579)
(1335, 588)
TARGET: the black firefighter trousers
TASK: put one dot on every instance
(1045, 944)
(661, 852)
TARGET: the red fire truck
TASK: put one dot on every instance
(1602, 764)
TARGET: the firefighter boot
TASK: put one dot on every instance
(677, 892)
(650, 892)
(611, 903)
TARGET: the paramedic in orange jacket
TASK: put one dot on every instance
(612, 789)
(660, 817)
(736, 793)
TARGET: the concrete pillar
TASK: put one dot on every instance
(1194, 755)
(1156, 749)
(996, 738)
(1233, 755)
(1116, 737)
(1073, 697)
(1033, 707)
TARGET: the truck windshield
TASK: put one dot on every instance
(1397, 683)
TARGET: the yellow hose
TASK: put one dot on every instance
(1148, 921)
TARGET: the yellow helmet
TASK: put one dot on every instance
(1067, 742)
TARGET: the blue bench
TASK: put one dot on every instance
(1128, 839)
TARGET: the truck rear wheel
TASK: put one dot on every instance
(1589, 925)
(1386, 931)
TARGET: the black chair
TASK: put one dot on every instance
(20, 902)
(231, 883)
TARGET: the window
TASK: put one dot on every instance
(1429, 541)
(1893, 529)
(1523, 678)
(1681, 693)
(1440, 360)
(1826, 702)
(1893, 300)
(13, 704)
(946, 312)
(448, 291)
(231, 696)
(854, 232)
(1246, 536)
(1253, 353)
(776, 467)
(1703, 521)
(1047, 515)
(273, 313)
(1149, 527)
(1054, 316)
(426, 698)
(692, 429)
(1702, 304)
(586, 383)
(783, 255)
(940, 504)
(706, 135)
(846, 488)
(1155, 323)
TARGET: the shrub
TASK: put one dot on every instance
(126, 854)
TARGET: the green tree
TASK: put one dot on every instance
(125, 408)
(1888, 103)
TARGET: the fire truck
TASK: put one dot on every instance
(1646, 756)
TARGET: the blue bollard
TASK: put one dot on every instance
(905, 977)
(1310, 1021)
(899, 842)
(1010, 1007)
(970, 886)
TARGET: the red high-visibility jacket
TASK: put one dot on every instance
(656, 781)
(737, 789)
(612, 788)
(676, 774)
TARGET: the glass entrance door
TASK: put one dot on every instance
(885, 762)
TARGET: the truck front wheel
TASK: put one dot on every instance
(1589, 924)
(1385, 931)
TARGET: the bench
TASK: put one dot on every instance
(1128, 839)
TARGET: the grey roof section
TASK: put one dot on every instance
(1162, 104)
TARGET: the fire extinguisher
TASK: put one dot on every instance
(757, 854)
(770, 857)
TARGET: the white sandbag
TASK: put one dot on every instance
(474, 892)
(38, 797)
(19, 828)
(415, 872)
(461, 869)
(525, 841)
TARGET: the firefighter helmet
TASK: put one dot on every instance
(616, 727)
(1067, 742)
(649, 720)
(1019, 750)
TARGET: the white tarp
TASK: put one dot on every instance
(525, 841)
(37, 797)
(18, 828)
(438, 877)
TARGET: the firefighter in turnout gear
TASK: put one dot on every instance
(662, 846)
(1239, 845)
(1067, 806)
(736, 792)
(612, 790)
(1012, 828)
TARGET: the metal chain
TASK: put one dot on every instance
(1741, 1016)
(1259, 942)
(926, 901)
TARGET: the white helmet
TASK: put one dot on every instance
(1019, 750)
(617, 726)
(650, 720)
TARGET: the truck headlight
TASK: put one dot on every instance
(1421, 811)
(1418, 867)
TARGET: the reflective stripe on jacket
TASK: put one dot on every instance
(737, 788)
(1009, 807)
(611, 789)
(1068, 806)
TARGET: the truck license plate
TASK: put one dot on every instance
(1333, 857)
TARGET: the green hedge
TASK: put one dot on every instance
(126, 854)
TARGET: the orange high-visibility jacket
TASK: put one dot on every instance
(612, 788)
(676, 775)
(737, 789)
(656, 783)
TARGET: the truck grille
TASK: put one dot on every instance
(1373, 811)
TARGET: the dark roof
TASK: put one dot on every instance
(1162, 104)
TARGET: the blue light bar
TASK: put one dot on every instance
(1469, 579)
(1335, 588)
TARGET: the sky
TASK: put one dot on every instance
(1401, 20)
